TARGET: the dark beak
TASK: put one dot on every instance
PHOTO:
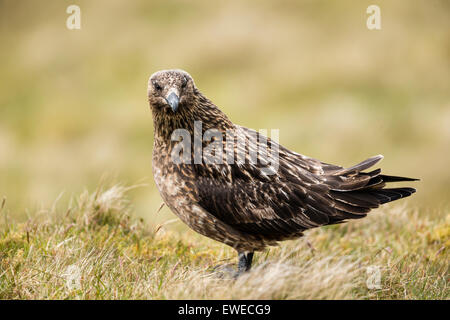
(173, 101)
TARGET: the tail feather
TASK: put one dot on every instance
(360, 166)
(387, 178)
(360, 199)
(391, 194)
(355, 193)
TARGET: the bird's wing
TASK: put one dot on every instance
(303, 193)
(277, 206)
(261, 208)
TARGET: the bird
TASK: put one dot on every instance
(248, 205)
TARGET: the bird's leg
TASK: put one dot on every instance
(245, 262)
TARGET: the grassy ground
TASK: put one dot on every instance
(96, 249)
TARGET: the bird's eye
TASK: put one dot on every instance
(184, 83)
(157, 86)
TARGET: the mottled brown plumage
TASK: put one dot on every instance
(240, 204)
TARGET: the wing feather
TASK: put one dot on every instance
(303, 194)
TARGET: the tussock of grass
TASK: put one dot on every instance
(96, 250)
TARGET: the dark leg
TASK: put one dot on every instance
(245, 262)
(244, 265)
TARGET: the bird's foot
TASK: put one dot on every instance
(225, 271)
(245, 262)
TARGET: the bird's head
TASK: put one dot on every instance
(170, 90)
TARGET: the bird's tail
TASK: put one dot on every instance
(359, 192)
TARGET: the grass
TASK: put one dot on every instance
(96, 249)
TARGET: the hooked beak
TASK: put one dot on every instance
(173, 101)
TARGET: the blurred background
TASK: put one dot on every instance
(73, 105)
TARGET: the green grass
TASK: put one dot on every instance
(118, 256)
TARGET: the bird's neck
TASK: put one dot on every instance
(188, 117)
